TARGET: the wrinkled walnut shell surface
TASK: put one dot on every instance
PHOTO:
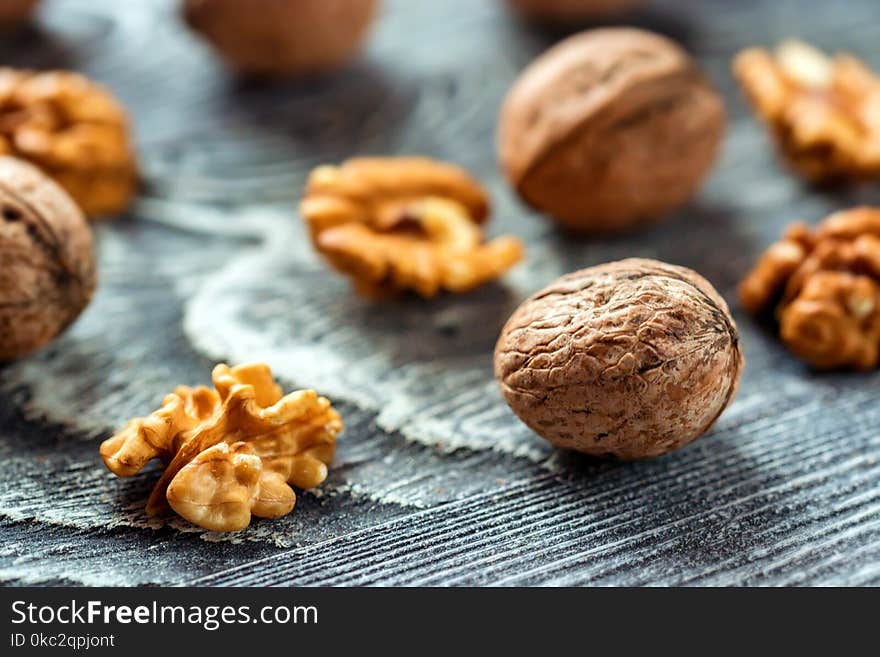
(609, 128)
(627, 360)
(282, 37)
(47, 266)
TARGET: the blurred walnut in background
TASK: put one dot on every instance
(825, 287)
(405, 223)
(610, 129)
(823, 112)
(562, 11)
(282, 37)
(47, 264)
(15, 12)
(75, 131)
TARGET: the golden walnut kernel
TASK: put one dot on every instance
(608, 129)
(570, 10)
(630, 359)
(824, 285)
(282, 37)
(15, 12)
(823, 112)
(75, 131)
(231, 452)
(407, 223)
(47, 265)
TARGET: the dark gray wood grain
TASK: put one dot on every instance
(435, 482)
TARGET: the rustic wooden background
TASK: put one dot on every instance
(436, 482)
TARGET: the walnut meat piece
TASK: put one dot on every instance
(823, 112)
(630, 359)
(564, 11)
(282, 37)
(824, 285)
(608, 129)
(47, 265)
(15, 12)
(232, 451)
(75, 131)
(396, 224)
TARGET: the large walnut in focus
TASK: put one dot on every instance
(608, 129)
(824, 286)
(15, 12)
(75, 131)
(823, 112)
(47, 266)
(407, 223)
(565, 11)
(282, 37)
(231, 452)
(630, 359)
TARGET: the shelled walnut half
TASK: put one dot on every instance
(75, 131)
(407, 223)
(825, 287)
(824, 112)
(231, 452)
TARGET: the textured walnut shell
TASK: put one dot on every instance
(282, 37)
(630, 359)
(608, 129)
(47, 268)
(563, 11)
(15, 12)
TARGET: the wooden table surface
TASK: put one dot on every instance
(435, 481)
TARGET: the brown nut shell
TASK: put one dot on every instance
(630, 359)
(15, 12)
(564, 11)
(47, 267)
(608, 129)
(278, 38)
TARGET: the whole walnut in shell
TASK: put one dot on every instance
(75, 131)
(47, 267)
(560, 11)
(610, 128)
(627, 360)
(282, 37)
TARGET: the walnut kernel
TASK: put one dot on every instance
(231, 452)
(395, 224)
(47, 266)
(282, 37)
(823, 112)
(608, 129)
(630, 359)
(75, 131)
(825, 287)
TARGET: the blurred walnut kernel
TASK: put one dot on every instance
(75, 131)
(825, 287)
(408, 223)
(231, 452)
(824, 112)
